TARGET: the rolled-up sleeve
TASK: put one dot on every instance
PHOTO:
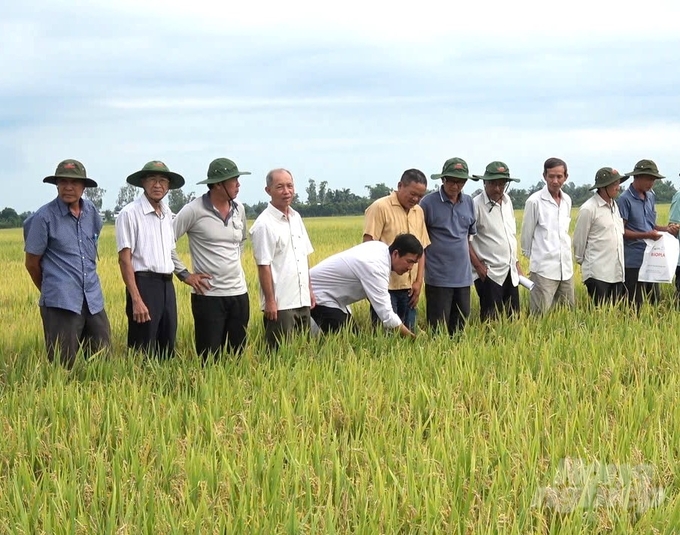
(581, 230)
(375, 282)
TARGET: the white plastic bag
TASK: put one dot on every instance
(660, 259)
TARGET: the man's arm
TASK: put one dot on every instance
(264, 273)
(528, 227)
(140, 313)
(635, 235)
(581, 230)
(480, 267)
(34, 269)
(417, 286)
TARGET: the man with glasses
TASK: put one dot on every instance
(215, 224)
(399, 213)
(450, 222)
(146, 246)
(493, 250)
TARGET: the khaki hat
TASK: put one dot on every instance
(454, 168)
(70, 169)
(497, 171)
(606, 176)
(156, 167)
(222, 169)
(645, 167)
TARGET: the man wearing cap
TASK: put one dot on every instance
(450, 222)
(598, 239)
(147, 259)
(637, 206)
(61, 258)
(545, 240)
(281, 247)
(215, 224)
(399, 213)
(493, 250)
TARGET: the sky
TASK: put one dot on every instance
(352, 93)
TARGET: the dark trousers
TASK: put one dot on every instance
(677, 283)
(400, 300)
(331, 319)
(449, 306)
(637, 292)
(494, 298)
(287, 322)
(603, 293)
(219, 322)
(155, 337)
(66, 332)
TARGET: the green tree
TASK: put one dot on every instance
(378, 191)
(96, 195)
(177, 199)
(323, 188)
(126, 195)
(664, 190)
(312, 197)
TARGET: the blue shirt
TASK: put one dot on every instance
(68, 247)
(639, 215)
(449, 225)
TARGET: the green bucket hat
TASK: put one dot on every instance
(645, 167)
(606, 176)
(222, 169)
(496, 171)
(70, 169)
(454, 168)
(156, 167)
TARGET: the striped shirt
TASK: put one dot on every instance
(150, 237)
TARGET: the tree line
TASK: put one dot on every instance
(321, 200)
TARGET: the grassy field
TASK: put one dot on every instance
(563, 424)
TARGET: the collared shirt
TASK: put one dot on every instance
(545, 235)
(450, 227)
(281, 242)
(674, 214)
(598, 240)
(362, 272)
(215, 244)
(149, 237)
(496, 240)
(385, 219)
(638, 215)
(68, 247)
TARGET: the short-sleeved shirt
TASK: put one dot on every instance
(150, 237)
(281, 242)
(674, 214)
(361, 272)
(385, 219)
(215, 244)
(639, 215)
(449, 226)
(68, 247)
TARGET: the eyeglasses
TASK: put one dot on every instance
(451, 180)
(158, 180)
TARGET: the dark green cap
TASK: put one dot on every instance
(156, 167)
(606, 176)
(645, 167)
(454, 168)
(496, 171)
(222, 169)
(70, 169)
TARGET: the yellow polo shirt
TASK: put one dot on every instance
(385, 220)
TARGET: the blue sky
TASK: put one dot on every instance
(352, 94)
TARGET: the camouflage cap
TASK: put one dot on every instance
(70, 169)
(156, 167)
(607, 176)
(222, 169)
(645, 167)
(497, 171)
(454, 168)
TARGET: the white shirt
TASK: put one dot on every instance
(598, 241)
(362, 272)
(281, 242)
(496, 240)
(545, 235)
(149, 237)
(215, 245)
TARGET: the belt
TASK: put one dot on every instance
(152, 275)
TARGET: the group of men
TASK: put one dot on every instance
(444, 240)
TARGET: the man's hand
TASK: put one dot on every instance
(673, 229)
(654, 235)
(199, 282)
(140, 313)
(482, 270)
(414, 294)
(270, 310)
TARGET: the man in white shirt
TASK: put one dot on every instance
(493, 250)
(362, 272)
(215, 224)
(147, 259)
(281, 247)
(598, 239)
(545, 240)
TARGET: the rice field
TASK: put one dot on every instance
(563, 424)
